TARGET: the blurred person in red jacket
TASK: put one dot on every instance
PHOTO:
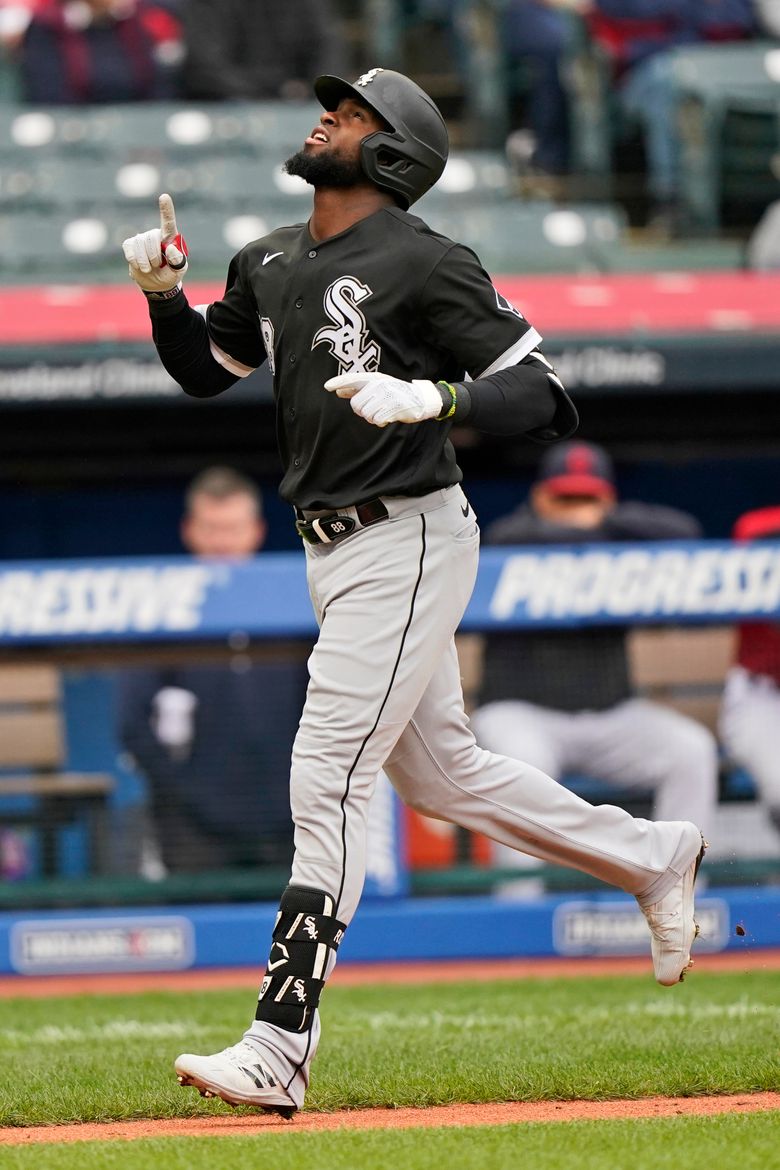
(80, 52)
(750, 710)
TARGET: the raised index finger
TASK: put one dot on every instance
(168, 228)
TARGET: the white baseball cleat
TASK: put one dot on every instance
(238, 1075)
(673, 926)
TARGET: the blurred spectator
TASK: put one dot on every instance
(214, 742)
(536, 35)
(250, 49)
(768, 13)
(636, 36)
(750, 711)
(77, 52)
(563, 699)
(15, 15)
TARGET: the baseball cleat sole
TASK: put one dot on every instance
(696, 928)
(672, 923)
(285, 1111)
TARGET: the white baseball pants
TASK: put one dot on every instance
(385, 692)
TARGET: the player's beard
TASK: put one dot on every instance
(325, 169)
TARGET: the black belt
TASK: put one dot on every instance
(327, 529)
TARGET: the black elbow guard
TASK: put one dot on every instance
(565, 419)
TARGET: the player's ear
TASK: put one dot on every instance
(261, 530)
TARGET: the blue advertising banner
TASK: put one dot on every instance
(181, 599)
(400, 929)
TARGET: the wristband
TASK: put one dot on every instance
(163, 294)
(448, 406)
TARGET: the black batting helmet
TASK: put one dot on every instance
(408, 158)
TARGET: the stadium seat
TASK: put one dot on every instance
(515, 236)
(252, 127)
(224, 180)
(30, 131)
(18, 181)
(509, 236)
(162, 130)
(100, 184)
(470, 176)
(728, 109)
(763, 248)
(37, 245)
(209, 178)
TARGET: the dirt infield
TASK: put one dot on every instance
(356, 974)
(443, 1115)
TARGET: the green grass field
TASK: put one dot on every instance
(107, 1058)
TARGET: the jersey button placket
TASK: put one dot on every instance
(312, 255)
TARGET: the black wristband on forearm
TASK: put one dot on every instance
(448, 400)
(165, 304)
(456, 401)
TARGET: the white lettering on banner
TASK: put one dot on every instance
(107, 944)
(610, 928)
(606, 365)
(102, 601)
(109, 378)
(639, 583)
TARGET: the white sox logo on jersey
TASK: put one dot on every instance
(348, 339)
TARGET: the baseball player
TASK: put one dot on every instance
(380, 334)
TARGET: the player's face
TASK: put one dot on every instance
(570, 511)
(228, 527)
(331, 154)
(342, 130)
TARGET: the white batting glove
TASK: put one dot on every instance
(380, 399)
(157, 259)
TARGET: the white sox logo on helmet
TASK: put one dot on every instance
(367, 78)
(348, 339)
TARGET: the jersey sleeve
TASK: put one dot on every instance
(470, 318)
(234, 325)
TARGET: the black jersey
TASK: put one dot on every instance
(388, 294)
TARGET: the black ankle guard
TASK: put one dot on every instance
(305, 934)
